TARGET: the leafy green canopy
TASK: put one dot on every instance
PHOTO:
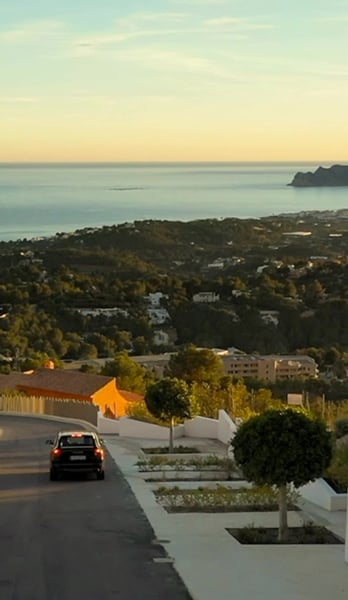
(129, 375)
(194, 364)
(169, 398)
(281, 447)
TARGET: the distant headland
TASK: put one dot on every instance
(334, 176)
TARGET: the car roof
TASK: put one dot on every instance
(77, 433)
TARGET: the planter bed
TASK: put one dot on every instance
(189, 456)
(177, 450)
(187, 475)
(247, 508)
(312, 534)
(206, 484)
(220, 499)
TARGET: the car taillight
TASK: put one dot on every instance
(99, 452)
(57, 451)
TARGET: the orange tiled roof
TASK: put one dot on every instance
(131, 396)
(10, 381)
(68, 382)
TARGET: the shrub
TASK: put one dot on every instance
(341, 427)
(138, 411)
(338, 470)
(158, 462)
(256, 498)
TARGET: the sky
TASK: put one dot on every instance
(173, 80)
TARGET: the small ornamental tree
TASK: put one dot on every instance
(167, 400)
(281, 447)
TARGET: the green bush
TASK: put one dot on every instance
(139, 412)
(338, 470)
(341, 427)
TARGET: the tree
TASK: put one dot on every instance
(194, 364)
(167, 400)
(129, 374)
(281, 447)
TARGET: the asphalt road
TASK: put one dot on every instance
(74, 539)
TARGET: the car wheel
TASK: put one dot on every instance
(100, 475)
(53, 475)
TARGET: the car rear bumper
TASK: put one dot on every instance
(77, 467)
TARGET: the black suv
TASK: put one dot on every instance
(76, 452)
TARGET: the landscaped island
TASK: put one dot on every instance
(334, 176)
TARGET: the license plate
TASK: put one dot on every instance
(77, 457)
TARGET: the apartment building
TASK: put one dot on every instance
(269, 367)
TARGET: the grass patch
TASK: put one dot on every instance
(306, 534)
(222, 499)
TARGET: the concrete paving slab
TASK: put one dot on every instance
(213, 565)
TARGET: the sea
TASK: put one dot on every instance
(41, 200)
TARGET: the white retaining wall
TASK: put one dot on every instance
(138, 429)
(201, 427)
(221, 429)
(226, 428)
(321, 494)
(108, 425)
(346, 544)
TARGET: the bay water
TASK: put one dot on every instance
(40, 200)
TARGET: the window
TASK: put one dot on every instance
(76, 440)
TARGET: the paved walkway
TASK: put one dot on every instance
(214, 566)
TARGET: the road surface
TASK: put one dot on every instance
(75, 539)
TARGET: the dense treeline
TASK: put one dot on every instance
(252, 265)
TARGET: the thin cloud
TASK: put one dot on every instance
(31, 31)
(135, 27)
(232, 23)
(201, 2)
(18, 100)
(340, 19)
(171, 60)
(156, 17)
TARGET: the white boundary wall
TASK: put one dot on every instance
(346, 544)
(226, 428)
(133, 428)
(320, 493)
(108, 425)
(202, 427)
(221, 429)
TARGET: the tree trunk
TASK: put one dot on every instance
(283, 514)
(171, 435)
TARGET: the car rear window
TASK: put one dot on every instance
(76, 440)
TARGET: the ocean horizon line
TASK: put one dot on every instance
(21, 164)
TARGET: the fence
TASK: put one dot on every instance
(72, 409)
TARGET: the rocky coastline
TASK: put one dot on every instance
(334, 176)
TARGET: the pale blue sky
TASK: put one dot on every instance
(174, 80)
